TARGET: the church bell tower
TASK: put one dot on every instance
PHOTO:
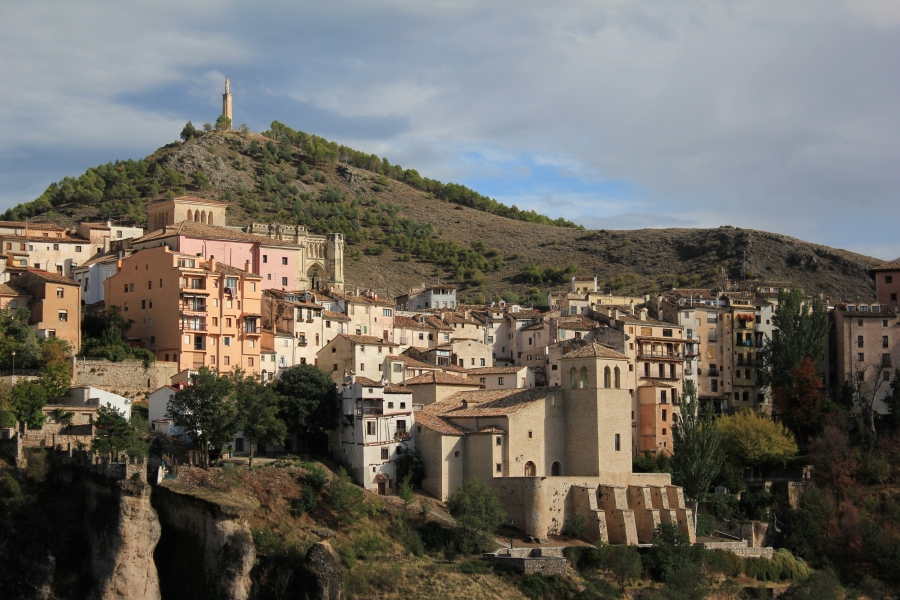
(226, 103)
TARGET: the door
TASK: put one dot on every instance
(382, 488)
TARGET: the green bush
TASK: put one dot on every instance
(307, 502)
(475, 567)
(9, 488)
(546, 586)
(706, 524)
(575, 527)
(316, 476)
(762, 569)
(734, 563)
(790, 567)
(318, 176)
(345, 498)
(370, 544)
(366, 579)
(410, 538)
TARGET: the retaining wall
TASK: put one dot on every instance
(127, 378)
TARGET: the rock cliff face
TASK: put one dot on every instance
(123, 531)
(321, 576)
(206, 549)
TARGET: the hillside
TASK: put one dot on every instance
(401, 234)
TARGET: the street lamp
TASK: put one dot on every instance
(14, 365)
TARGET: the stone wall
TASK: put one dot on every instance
(128, 378)
(546, 561)
(741, 549)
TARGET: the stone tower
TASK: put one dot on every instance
(226, 102)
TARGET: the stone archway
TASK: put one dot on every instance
(530, 469)
(556, 469)
(314, 276)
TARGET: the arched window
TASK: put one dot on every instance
(618, 381)
(203, 217)
(190, 215)
(607, 377)
(584, 382)
(196, 216)
(573, 377)
(209, 219)
(556, 469)
(530, 469)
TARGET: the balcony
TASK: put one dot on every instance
(252, 330)
(713, 336)
(369, 410)
(714, 373)
(192, 326)
(193, 284)
(661, 355)
(189, 307)
(401, 434)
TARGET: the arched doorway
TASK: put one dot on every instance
(530, 469)
(556, 469)
(314, 274)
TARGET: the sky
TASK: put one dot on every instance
(780, 116)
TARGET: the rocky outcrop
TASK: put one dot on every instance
(122, 531)
(206, 548)
(321, 576)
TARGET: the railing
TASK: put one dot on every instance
(189, 326)
(369, 410)
(187, 307)
(644, 354)
(254, 330)
(713, 337)
(193, 285)
(401, 435)
(714, 373)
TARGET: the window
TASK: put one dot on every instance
(662, 397)
(56, 246)
(362, 366)
(530, 434)
(482, 380)
(884, 323)
(664, 431)
(226, 341)
(889, 279)
(583, 380)
(250, 362)
(284, 281)
(284, 260)
(386, 312)
(618, 443)
(664, 414)
(490, 339)
(384, 454)
(265, 258)
(370, 427)
(573, 378)
(618, 378)
(334, 368)
(231, 282)
(667, 333)
(51, 333)
(60, 292)
(125, 305)
(130, 287)
(499, 381)
(227, 360)
(885, 360)
(77, 248)
(884, 341)
(607, 377)
(859, 341)
(63, 316)
(498, 468)
(498, 441)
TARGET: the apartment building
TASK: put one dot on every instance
(887, 284)
(428, 298)
(656, 364)
(356, 355)
(503, 378)
(376, 428)
(54, 303)
(299, 316)
(420, 330)
(863, 342)
(370, 315)
(190, 311)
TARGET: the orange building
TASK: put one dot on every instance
(54, 302)
(188, 310)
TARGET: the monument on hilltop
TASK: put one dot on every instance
(226, 103)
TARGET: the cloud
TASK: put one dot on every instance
(764, 114)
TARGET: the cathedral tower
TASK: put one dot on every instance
(226, 102)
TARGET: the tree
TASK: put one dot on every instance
(834, 460)
(56, 372)
(798, 405)
(409, 464)
(892, 399)
(622, 564)
(28, 398)
(223, 123)
(308, 402)
(257, 406)
(696, 440)
(189, 132)
(802, 329)
(670, 552)
(200, 179)
(115, 434)
(753, 440)
(207, 127)
(104, 335)
(865, 395)
(478, 511)
(206, 410)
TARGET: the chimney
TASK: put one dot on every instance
(119, 265)
(212, 265)
(247, 267)
(631, 303)
(643, 314)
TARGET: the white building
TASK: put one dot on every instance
(90, 396)
(376, 427)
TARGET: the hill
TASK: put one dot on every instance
(404, 230)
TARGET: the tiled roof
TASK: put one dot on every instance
(199, 230)
(396, 389)
(359, 299)
(437, 424)
(882, 312)
(893, 265)
(412, 363)
(52, 277)
(11, 290)
(335, 316)
(659, 384)
(488, 429)
(366, 382)
(367, 340)
(583, 278)
(495, 370)
(595, 351)
(488, 403)
(535, 327)
(101, 258)
(48, 226)
(440, 378)
(193, 199)
(579, 323)
(95, 225)
(229, 270)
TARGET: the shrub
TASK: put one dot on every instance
(370, 544)
(762, 569)
(544, 586)
(475, 567)
(365, 579)
(734, 564)
(410, 539)
(706, 524)
(405, 491)
(575, 527)
(345, 498)
(307, 502)
(9, 488)
(449, 551)
(671, 550)
(316, 476)
(318, 177)
(790, 567)
(478, 512)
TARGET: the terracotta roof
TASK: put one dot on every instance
(396, 389)
(659, 384)
(535, 327)
(229, 270)
(488, 403)
(11, 290)
(48, 276)
(495, 370)
(579, 323)
(883, 311)
(440, 378)
(431, 322)
(100, 258)
(413, 363)
(359, 299)
(366, 382)
(191, 199)
(893, 265)
(335, 316)
(527, 313)
(199, 230)
(437, 424)
(595, 351)
(95, 225)
(48, 226)
(367, 340)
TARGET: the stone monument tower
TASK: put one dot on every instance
(226, 102)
